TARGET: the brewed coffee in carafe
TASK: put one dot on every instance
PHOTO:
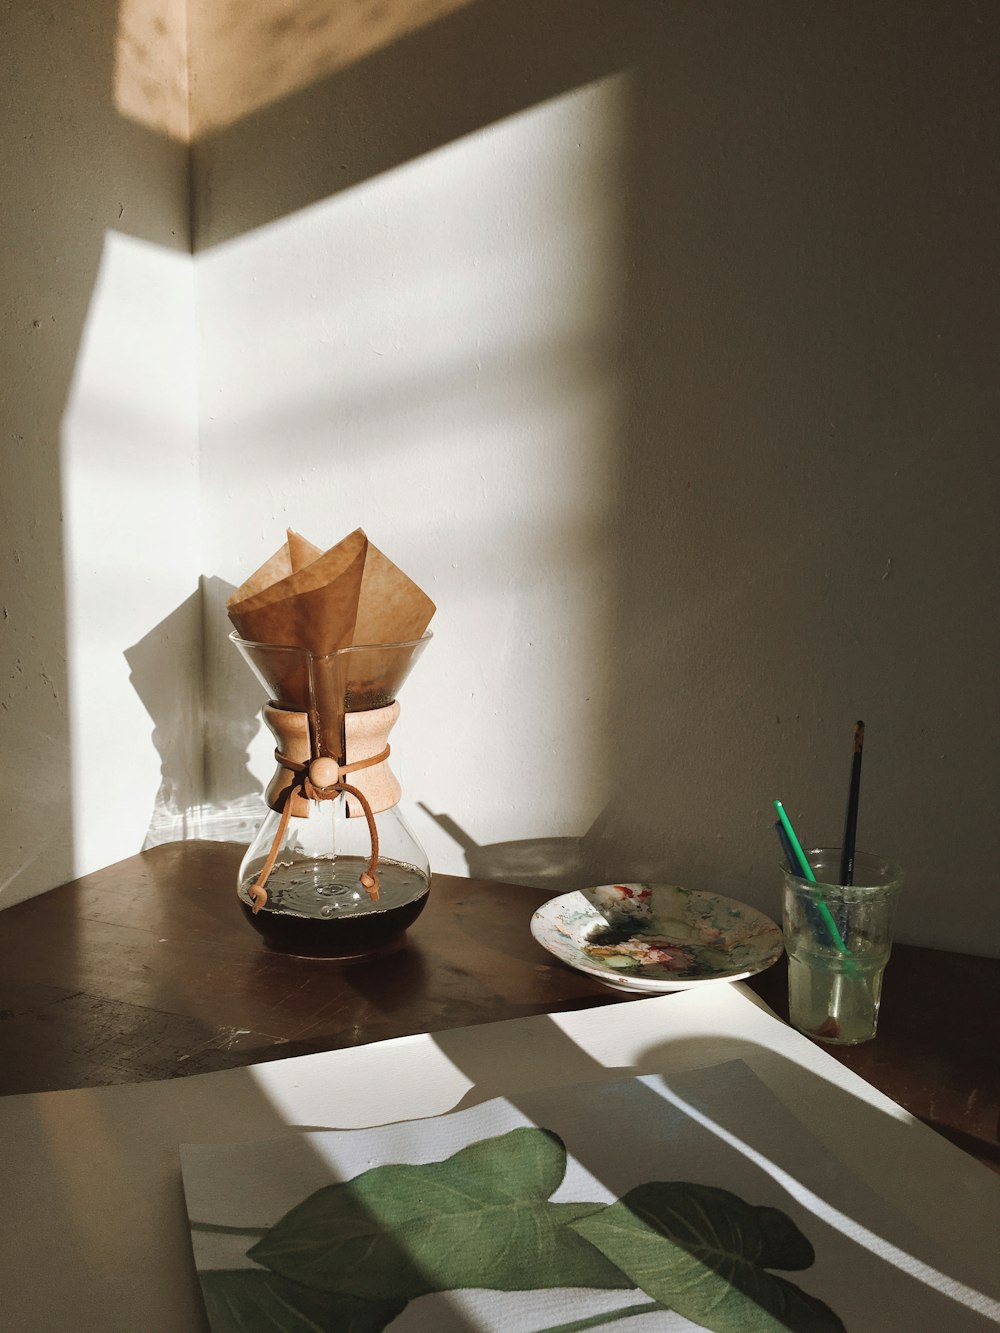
(334, 870)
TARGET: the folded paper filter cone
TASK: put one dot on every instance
(330, 632)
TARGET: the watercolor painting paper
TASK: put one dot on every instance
(594, 1203)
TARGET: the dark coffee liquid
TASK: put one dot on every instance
(309, 915)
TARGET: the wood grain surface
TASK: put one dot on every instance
(147, 970)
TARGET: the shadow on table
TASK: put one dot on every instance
(98, 1168)
(887, 1141)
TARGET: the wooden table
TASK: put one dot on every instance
(147, 970)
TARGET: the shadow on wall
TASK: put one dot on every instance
(804, 527)
(247, 56)
(233, 796)
(541, 863)
(810, 452)
(465, 71)
(559, 863)
(167, 673)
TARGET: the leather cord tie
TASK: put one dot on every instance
(321, 780)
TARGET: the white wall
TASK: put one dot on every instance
(95, 550)
(657, 342)
(132, 543)
(434, 356)
(660, 347)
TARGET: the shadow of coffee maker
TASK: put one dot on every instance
(559, 864)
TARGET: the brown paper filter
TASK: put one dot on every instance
(294, 555)
(351, 597)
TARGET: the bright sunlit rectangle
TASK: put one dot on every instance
(436, 356)
(132, 545)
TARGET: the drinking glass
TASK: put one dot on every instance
(838, 938)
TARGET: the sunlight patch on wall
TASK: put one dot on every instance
(245, 56)
(183, 69)
(437, 356)
(132, 548)
(151, 65)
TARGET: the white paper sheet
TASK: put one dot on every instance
(96, 1233)
(709, 1134)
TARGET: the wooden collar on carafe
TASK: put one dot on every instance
(320, 778)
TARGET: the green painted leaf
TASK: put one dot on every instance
(252, 1300)
(479, 1219)
(705, 1253)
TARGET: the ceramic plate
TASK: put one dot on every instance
(656, 937)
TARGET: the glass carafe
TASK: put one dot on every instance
(334, 870)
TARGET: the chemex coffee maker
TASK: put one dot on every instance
(334, 870)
